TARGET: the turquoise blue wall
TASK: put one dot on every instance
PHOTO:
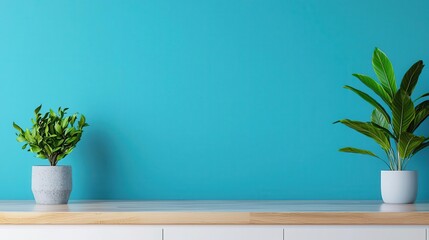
(204, 99)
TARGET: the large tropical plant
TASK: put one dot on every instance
(393, 132)
(53, 135)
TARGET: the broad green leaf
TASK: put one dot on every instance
(408, 143)
(371, 101)
(421, 147)
(378, 118)
(24, 146)
(422, 112)
(385, 130)
(358, 151)
(370, 131)
(402, 111)
(379, 121)
(411, 77)
(375, 87)
(422, 96)
(384, 70)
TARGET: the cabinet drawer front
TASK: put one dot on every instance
(79, 232)
(222, 233)
(355, 233)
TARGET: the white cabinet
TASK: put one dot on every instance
(79, 232)
(223, 233)
(355, 233)
(209, 232)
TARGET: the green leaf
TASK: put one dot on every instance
(370, 131)
(64, 123)
(421, 113)
(37, 110)
(81, 121)
(358, 151)
(58, 128)
(73, 119)
(52, 113)
(21, 138)
(50, 135)
(28, 136)
(402, 111)
(35, 149)
(385, 130)
(411, 77)
(57, 149)
(48, 150)
(68, 151)
(422, 96)
(421, 147)
(378, 118)
(371, 101)
(408, 143)
(384, 70)
(375, 87)
(17, 127)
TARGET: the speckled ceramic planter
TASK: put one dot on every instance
(51, 184)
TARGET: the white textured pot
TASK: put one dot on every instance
(399, 186)
(51, 184)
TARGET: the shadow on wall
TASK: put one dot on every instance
(421, 163)
(95, 171)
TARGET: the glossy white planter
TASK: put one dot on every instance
(399, 186)
(51, 184)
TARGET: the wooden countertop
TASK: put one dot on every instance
(216, 212)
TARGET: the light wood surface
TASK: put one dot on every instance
(215, 213)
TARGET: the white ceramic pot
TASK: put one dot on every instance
(51, 184)
(399, 186)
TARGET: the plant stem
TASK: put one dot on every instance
(399, 158)
(53, 159)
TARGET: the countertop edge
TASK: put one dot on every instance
(214, 218)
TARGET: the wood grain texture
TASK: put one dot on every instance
(215, 213)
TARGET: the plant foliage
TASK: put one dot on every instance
(53, 135)
(394, 133)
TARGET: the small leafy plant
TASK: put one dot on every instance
(53, 135)
(394, 133)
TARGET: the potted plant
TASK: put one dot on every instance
(393, 132)
(53, 136)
